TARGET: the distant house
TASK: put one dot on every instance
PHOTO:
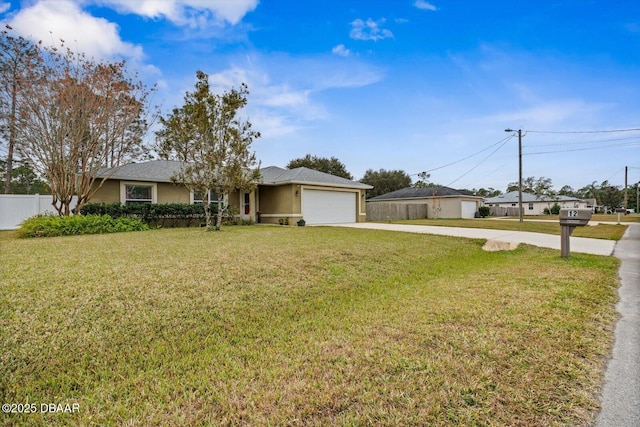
(429, 202)
(318, 197)
(507, 204)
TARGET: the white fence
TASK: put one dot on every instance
(15, 208)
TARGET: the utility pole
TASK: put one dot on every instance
(626, 170)
(519, 172)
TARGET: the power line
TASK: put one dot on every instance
(502, 141)
(630, 138)
(482, 161)
(616, 173)
(587, 131)
(625, 144)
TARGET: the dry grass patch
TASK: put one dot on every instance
(311, 326)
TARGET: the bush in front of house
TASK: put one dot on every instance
(53, 225)
(155, 215)
(484, 211)
(555, 210)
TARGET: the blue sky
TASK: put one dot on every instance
(397, 84)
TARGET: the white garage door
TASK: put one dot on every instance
(468, 209)
(328, 207)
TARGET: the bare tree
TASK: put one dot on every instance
(17, 56)
(77, 116)
(213, 142)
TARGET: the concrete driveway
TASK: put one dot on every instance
(578, 244)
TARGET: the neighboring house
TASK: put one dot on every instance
(507, 204)
(318, 197)
(428, 202)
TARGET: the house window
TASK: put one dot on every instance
(137, 192)
(530, 206)
(201, 198)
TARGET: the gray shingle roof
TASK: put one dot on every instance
(512, 197)
(163, 170)
(274, 175)
(152, 171)
(419, 193)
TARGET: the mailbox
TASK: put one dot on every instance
(570, 219)
(575, 217)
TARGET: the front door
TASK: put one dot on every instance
(245, 206)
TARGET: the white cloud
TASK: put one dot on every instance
(4, 7)
(553, 114)
(340, 50)
(233, 76)
(369, 30)
(424, 5)
(284, 103)
(283, 96)
(279, 98)
(193, 13)
(270, 124)
(96, 37)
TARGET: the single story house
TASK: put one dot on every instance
(429, 202)
(283, 194)
(507, 204)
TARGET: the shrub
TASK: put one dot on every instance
(53, 225)
(555, 210)
(484, 211)
(157, 215)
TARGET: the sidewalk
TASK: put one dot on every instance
(620, 397)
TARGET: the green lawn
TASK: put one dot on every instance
(600, 231)
(301, 326)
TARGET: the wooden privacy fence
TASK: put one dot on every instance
(15, 208)
(504, 211)
(393, 211)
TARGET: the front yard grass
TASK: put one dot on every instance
(301, 326)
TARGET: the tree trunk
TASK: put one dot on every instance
(207, 211)
(12, 139)
(220, 213)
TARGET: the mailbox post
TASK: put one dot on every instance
(570, 219)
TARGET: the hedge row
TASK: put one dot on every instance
(54, 225)
(158, 215)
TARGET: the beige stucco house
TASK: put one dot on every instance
(507, 204)
(430, 202)
(283, 194)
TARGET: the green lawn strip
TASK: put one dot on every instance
(321, 326)
(600, 231)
